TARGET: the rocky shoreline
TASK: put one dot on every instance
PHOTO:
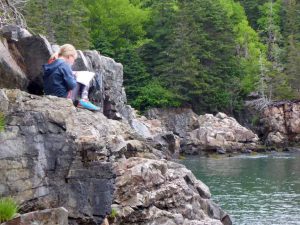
(54, 155)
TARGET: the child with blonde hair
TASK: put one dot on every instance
(60, 80)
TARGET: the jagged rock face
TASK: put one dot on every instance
(180, 121)
(220, 132)
(205, 132)
(11, 75)
(35, 51)
(153, 131)
(58, 216)
(27, 51)
(107, 87)
(52, 155)
(281, 122)
(162, 192)
(12, 32)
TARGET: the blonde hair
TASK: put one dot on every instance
(67, 50)
(53, 57)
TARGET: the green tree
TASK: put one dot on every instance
(155, 95)
(291, 34)
(116, 24)
(252, 10)
(248, 45)
(63, 21)
(117, 30)
(193, 52)
(270, 29)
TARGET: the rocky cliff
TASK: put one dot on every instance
(198, 134)
(281, 123)
(55, 155)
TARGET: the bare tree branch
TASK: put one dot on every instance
(10, 13)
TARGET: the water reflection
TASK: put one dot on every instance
(254, 190)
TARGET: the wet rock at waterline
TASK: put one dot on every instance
(162, 192)
(219, 133)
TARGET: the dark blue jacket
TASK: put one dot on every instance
(58, 78)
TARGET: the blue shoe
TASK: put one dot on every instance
(85, 104)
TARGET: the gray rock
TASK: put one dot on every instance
(180, 121)
(277, 122)
(221, 133)
(58, 216)
(161, 192)
(110, 79)
(81, 63)
(11, 75)
(35, 50)
(21, 65)
(14, 33)
(221, 151)
(54, 155)
(21, 59)
(55, 48)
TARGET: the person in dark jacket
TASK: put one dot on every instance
(60, 81)
(58, 78)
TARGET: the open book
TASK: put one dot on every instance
(84, 77)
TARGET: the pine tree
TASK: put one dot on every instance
(62, 21)
(291, 33)
(269, 25)
(117, 30)
(252, 10)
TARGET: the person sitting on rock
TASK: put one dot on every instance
(60, 80)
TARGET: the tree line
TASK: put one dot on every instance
(204, 54)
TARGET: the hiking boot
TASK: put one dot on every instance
(86, 104)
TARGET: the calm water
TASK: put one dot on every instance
(254, 190)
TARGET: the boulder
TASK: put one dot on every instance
(281, 123)
(96, 91)
(11, 75)
(178, 120)
(106, 88)
(35, 51)
(22, 58)
(14, 33)
(58, 216)
(110, 79)
(220, 133)
(162, 192)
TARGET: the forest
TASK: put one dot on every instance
(205, 54)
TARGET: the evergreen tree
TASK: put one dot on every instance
(252, 10)
(291, 33)
(117, 30)
(62, 21)
(194, 51)
(269, 25)
(201, 53)
(248, 46)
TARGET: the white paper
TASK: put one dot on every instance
(84, 77)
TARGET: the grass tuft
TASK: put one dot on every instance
(114, 213)
(2, 121)
(8, 209)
